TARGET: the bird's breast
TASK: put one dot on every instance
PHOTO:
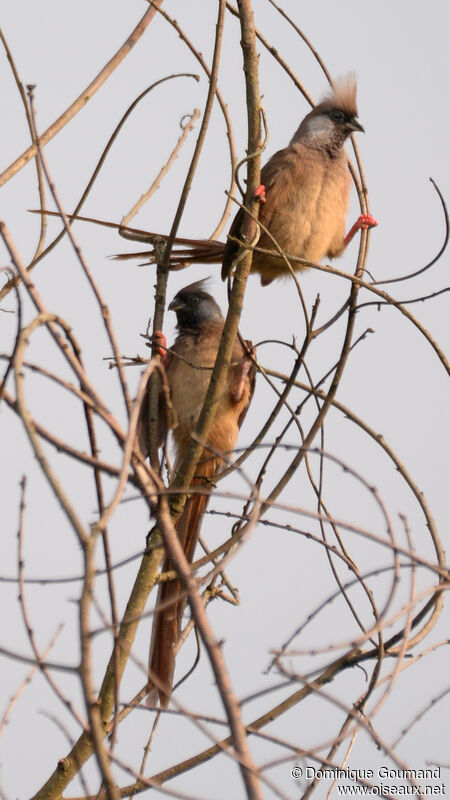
(189, 375)
(310, 205)
(188, 381)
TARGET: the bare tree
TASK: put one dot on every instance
(336, 650)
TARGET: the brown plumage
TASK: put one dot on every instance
(188, 365)
(305, 197)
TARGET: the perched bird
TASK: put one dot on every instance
(304, 196)
(188, 365)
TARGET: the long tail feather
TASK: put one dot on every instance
(168, 620)
(198, 251)
(134, 234)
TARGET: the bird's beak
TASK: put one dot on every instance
(355, 125)
(176, 304)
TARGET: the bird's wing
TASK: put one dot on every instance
(274, 176)
(166, 415)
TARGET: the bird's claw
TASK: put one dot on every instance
(364, 222)
(260, 193)
(160, 343)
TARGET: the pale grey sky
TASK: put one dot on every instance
(393, 379)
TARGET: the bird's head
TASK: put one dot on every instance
(193, 306)
(333, 119)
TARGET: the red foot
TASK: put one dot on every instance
(161, 345)
(260, 193)
(363, 222)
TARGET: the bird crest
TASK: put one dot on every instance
(198, 287)
(342, 95)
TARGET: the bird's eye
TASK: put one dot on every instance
(337, 115)
(194, 299)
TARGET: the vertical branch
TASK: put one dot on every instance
(218, 377)
(163, 259)
(186, 469)
(95, 721)
(251, 61)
